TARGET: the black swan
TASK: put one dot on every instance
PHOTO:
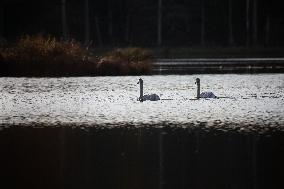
(203, 94)
(151, 97)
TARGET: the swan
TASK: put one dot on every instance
(151, 97)
(203, 94)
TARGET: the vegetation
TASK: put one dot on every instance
(126, 61)
(40, 56)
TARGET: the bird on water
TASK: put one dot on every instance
(203, 94)
(151, 97)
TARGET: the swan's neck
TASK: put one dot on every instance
(141, 89)
(198, 91)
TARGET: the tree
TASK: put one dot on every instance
(255, 22)
(98, 29)
(1, 21)
(159, 40)
(247, 22)
(267, 30)
(127, 28)
(110, 20)
(202, 33)
(87, 22)
(64, 20)
(231, 36)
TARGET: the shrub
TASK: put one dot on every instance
(126, 61)
(36, 55)
(40, 56)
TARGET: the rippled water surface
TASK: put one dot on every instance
(253, 99)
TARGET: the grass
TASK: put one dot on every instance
(46, 56)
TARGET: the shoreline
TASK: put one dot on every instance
(233, 128)
(39, 56)
(187, 66)
(218, 65)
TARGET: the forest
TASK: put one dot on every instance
(147, 23)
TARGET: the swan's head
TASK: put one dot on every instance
(197, 81)
(140, 81)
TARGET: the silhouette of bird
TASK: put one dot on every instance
(203, 94)
(151, 97)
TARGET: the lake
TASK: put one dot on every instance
(251, 100)
(91, 132)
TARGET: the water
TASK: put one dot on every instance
(116, 152)
(252, 100)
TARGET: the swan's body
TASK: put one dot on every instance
(207, 95)
(151, 97)
(203, 94)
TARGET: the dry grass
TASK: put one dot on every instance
(127, 61)
(40, 56)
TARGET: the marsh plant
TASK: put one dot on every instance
(47, 56)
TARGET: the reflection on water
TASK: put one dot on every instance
(255, 99)
(141, 158)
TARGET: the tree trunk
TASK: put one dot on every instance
(1, 21)
(87, 22)
(110, 21)
(247, 22)
(202, 33)
(159, 34)
(99, 37)
(255, 22)
(231, 36)
(64, 20)
(127, 28)
(267, 31)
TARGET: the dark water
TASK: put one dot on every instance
(218, 65)
(146, 157)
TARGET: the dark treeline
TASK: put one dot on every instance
(148, 22)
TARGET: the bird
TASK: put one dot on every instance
(203, 94)
(151, 97)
